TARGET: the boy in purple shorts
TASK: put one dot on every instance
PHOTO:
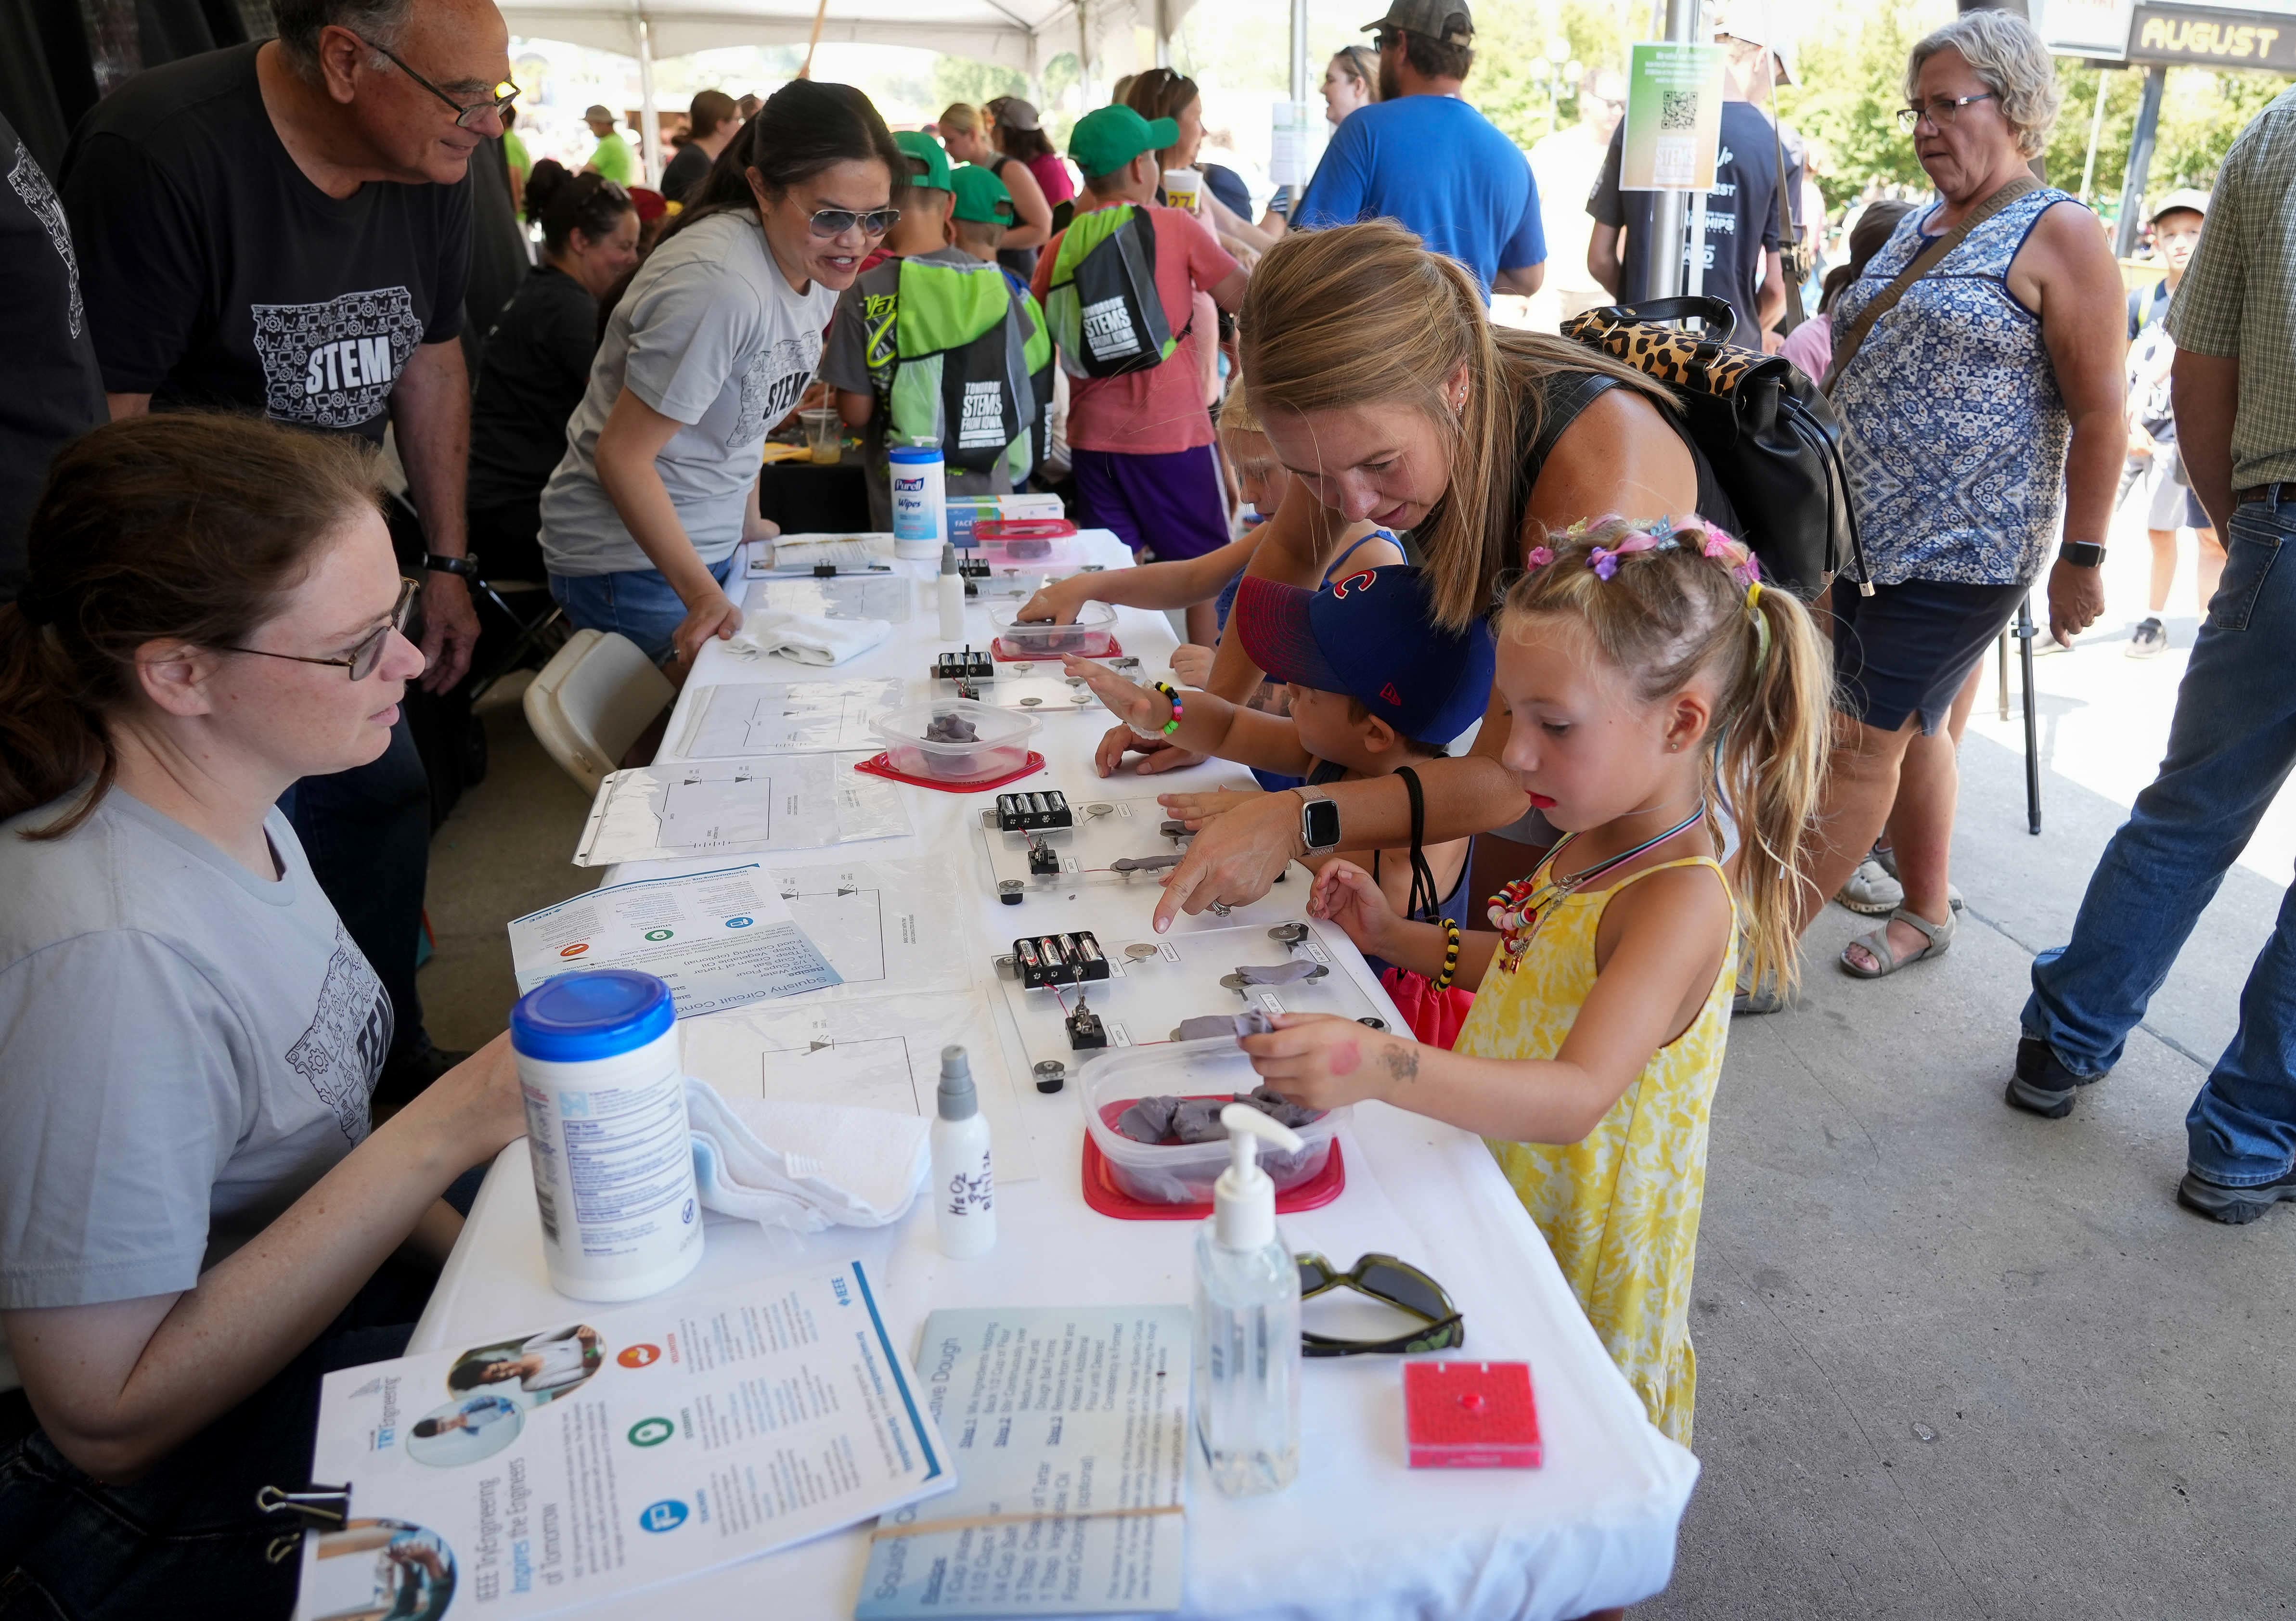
(1139, 437)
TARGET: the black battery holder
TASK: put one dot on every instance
(966, 665)
(1059, 959)
(971, 568)
(1033, 812)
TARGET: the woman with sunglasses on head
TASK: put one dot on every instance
(711, 346)
(197, 1218)
(1351, 82)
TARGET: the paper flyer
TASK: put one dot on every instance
(612, 1449)
(721, 940)
(744, 719)
(733, 807)
(1674, 118)
(1068, 1431)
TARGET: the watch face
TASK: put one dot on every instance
(1321, 824)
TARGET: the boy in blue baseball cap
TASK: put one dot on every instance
(1377, 686)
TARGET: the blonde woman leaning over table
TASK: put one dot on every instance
(1205, 587)
(1383, 385)
(200, 1217)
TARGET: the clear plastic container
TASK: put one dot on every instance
(1183, 1173)
(999, 746)
(1091, 637)
(1064, 553)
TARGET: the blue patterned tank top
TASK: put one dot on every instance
(1957, 432)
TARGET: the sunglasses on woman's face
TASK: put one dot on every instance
(1392, 1282)
(837, 222)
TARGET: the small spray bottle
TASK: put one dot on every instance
(963, 1179)
(952, 596)
(1248, 1320)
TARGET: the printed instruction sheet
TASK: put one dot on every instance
(735, 807)
(890, 597)
(1069, 1433)
(613, 1449)
(883, 1054)
(719, 939)
(883, 925)
(750, 718)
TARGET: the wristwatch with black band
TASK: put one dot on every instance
(1319, 820)
(439, 562)
(2081, 554)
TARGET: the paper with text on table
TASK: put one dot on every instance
(613, 1449)
(719, 939)
(736, 807)
(747, 718)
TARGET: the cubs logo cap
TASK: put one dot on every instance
(1372, 635)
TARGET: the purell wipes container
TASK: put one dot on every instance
(919, 520)
(605, 1121)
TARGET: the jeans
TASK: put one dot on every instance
(366, 832)
(2230, 748)
(638, 603)
(184, 1541)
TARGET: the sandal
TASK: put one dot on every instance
(1872, 890)
(1877, 944)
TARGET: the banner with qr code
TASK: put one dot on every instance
(1674, 118)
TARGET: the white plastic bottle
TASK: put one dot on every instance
(1248, 1320)
(605, 1121)
(919, 512)
(963, 1175)
(952, 595)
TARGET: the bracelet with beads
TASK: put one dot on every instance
(1450, 954)
(1171, 693)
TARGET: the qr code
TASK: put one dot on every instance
(1677, 110)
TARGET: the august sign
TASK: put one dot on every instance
(2215, 36)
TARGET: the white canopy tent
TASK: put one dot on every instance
(1020, 34)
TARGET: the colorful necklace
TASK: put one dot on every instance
(1518, 910)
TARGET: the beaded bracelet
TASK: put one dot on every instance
(1450, 954)
(1172, 693)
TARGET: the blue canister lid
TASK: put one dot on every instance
(909, 455)
(603, 1014)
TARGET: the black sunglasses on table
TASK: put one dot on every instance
(1392, 1282)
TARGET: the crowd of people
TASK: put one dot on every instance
(1499, 625)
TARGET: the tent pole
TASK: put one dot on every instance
(1163, 37)
(812, 45)
(1083, 55)
(1299, 80)
(2140, 162)
(649, 114)
(2095, 128)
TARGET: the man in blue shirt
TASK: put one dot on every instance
(1422, 157)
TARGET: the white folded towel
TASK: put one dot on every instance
(806, 1167)
(808, 638)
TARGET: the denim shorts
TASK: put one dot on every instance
(638, 603)
(1906, 649)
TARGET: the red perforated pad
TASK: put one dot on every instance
(1470, 1415)
(878, 765)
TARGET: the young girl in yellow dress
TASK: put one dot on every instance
(1651, 680)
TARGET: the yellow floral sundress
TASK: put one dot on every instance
(1619, 1209)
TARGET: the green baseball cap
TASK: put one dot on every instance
(1107, 138)
(927, 150)
(981, 196)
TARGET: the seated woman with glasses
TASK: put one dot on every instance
(711, 346)
(197, 1217)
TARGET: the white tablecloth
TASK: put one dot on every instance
(1359, 1535)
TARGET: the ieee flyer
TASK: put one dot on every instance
(613, 1450)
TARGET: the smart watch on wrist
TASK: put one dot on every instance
(2081, 554)
(439, 562)
(1319, 820)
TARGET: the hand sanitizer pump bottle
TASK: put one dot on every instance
(1248, 1321)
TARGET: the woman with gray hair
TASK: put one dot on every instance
(1977, 369)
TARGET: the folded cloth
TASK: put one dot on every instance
(808, 638)
(806, 1167)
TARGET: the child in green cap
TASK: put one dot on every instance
(1119, 288)
(934, 343)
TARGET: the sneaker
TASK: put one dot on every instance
(2236, 1206)
(2149, 640)
(2042, 1085)
(2046, 646)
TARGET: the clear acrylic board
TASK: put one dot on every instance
(1128, 843)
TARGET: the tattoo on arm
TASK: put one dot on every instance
(1402, 1062)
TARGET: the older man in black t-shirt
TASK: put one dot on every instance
(285, 227)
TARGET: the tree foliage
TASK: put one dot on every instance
(1852, 82)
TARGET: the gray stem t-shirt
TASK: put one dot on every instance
(184, 1050)
(709, 334)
